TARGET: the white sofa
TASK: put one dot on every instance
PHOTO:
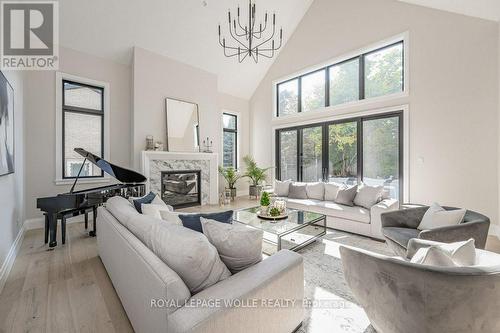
(140, 278)
(355, 219)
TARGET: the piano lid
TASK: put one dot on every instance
(123, 175)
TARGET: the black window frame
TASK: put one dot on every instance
(325, 146)
(76, 109)
(361, 64)
(230, 130)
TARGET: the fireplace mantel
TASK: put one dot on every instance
(154, 162)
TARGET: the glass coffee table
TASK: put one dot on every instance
(299, 229)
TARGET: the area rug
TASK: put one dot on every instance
(331, 306)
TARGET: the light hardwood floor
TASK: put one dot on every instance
(67, 289)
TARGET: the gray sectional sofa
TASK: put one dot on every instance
(354, 219)
(148, 287)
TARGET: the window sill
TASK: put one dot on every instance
(59, 182)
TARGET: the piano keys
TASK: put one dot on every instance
(78, 202)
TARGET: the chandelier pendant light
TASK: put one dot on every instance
(250, 41)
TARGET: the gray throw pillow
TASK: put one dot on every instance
(345, 195)
(239, 247)
(297, 191)
(186, 252)
(368, 196)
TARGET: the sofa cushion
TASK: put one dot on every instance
(400, 236)
(315, 191)
(355, 213)
(432, 256)
(368, 196)
(436, 217)
(193, 221)
(154, 209)
(187, 252)
(297, 191)
(121, 209)
(239, 246)
(346, 195)
(331, 190)
(281, 188)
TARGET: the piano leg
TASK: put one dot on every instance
(63, 229)
(52, 229)
(46, 227)
(94, 221)
(86, 220)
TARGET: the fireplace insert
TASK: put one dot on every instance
(181, 188)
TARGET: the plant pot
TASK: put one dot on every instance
(264, 210)
(254, 190)
(233, 193)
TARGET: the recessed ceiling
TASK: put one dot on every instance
(485, 9)
(182, 30)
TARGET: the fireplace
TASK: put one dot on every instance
(181, 188)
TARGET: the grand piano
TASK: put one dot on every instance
(75, 203)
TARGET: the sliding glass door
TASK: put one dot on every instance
(364, 149)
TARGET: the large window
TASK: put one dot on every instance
(364, 149)
(229, 140)
(372, 74)
(82, 123)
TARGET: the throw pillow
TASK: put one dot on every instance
(281, 188)
(437, 217)
(297, 191)
(154, 209)
(193, 222)
(315, 191)
(346, 195)
(186, 252)
(239, 247)
(331, 190)
(171, 217)
(147, 199)
(432, 256)
(462, 253)
(368, 196)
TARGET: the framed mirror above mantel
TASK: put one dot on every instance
(182, 126)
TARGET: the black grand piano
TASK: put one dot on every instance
(81, 202)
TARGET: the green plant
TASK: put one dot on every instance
(256, 174)
(274, 212)
(264, 199)
(231, 175)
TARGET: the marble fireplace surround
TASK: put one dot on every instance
(154, 162)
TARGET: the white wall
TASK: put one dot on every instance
(156, 77)
(40, 113)
(12, 185)
(453, 87)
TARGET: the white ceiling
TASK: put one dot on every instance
(184, 30)
(486, 9)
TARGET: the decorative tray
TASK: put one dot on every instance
(269, 217)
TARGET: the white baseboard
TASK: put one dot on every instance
(495, 230)
(11, 257)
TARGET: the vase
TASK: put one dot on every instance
(254, 190)
(233, 193)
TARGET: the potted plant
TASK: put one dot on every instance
(265, 201)
(231, 175)
(256, 175)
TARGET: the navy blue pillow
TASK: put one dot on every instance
(192, 221)
(144, 200)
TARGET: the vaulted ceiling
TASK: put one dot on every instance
(186, 30)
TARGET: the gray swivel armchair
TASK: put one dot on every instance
(399, 226)
(402, 297)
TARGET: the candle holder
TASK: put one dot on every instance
(207, 145)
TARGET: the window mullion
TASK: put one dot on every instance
(361, 77)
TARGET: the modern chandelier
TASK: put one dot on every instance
(250, 41)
